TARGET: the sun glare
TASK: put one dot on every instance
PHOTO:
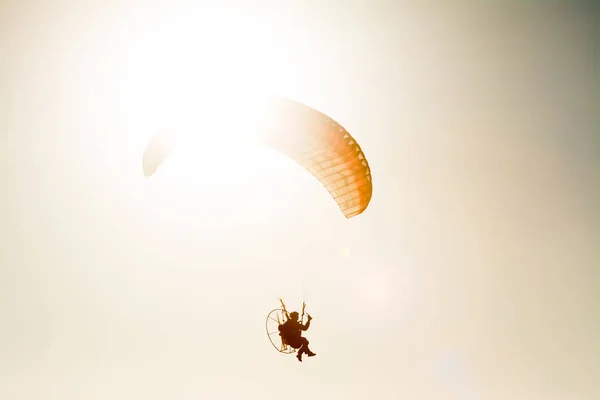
(202, 85)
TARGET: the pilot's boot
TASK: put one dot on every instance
(299, 356)
(310, 353)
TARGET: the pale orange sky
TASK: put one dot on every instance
(473, 274)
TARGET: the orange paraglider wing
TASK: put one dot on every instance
(324, 148)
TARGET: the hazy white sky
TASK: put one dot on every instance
(472, 275)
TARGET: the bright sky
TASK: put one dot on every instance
(472, 275)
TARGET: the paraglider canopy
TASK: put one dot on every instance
(158, 149)
(310, 138)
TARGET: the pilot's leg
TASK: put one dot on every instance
(304, 349)
(304, 346)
